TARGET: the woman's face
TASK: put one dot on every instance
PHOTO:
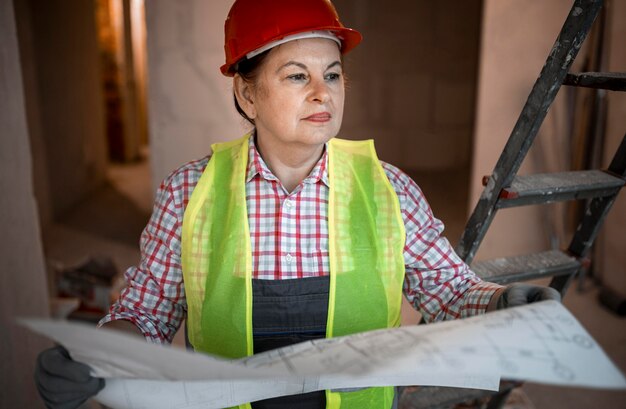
(299, 93)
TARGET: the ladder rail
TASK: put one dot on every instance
(596, 212)
(563, 53)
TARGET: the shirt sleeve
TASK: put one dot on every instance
(437, 282)
(154, 296)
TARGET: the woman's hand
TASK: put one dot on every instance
(62, 382)
(520, 294)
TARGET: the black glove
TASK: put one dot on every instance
(520, 294)
(62, 382)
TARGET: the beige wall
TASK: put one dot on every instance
(613, 256)
(22, 274)
(64, 100)
(189, 101)
(411, 83)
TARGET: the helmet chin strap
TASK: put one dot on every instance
(298, 36)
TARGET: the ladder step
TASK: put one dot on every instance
(527, 267)
(440, 397)
(552, 187)
(614, 81)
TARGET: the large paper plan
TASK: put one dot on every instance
(541, 342)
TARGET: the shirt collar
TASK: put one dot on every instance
(257, 166)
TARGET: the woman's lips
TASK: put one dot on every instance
(319, 117)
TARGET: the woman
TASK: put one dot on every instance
(288, 233)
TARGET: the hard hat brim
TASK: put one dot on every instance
(349, 38)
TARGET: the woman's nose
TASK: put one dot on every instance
(319, 91)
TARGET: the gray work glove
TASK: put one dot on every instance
(520, 294)
(62, 382)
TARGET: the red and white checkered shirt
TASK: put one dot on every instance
(289, 238)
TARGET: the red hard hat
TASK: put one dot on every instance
(252, 24)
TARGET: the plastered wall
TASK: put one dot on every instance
(64, 101)
(613, 236)
(22, 275)
(189, 101)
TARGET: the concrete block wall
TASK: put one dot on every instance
(411, 83)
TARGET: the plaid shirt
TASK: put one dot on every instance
(289, 239)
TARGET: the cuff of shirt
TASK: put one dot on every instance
(493, 303)
(146, 327)
(482, 297)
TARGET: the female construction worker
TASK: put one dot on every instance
(287, 234)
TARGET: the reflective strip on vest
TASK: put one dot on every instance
(366, 243)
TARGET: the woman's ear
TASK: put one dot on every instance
(245, 95)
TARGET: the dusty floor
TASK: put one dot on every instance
(110, 222)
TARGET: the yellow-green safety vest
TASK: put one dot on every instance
(366, 242)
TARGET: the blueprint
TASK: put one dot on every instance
(540, 342)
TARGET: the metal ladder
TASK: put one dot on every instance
(505, 189)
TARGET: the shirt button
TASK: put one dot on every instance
(288, 203)
(289, 258)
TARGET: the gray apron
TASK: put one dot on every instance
(285, 312)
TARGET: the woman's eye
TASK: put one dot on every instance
(297, 77)
(333, 76)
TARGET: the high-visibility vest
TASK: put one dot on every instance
(366, 242)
